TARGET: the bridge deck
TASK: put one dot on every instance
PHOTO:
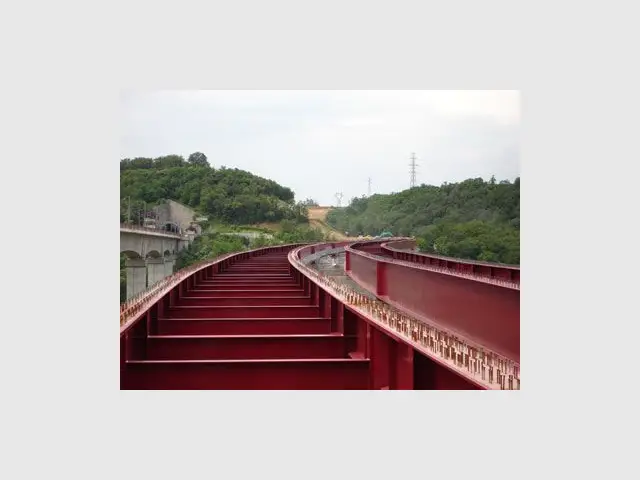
(254, 321)
(251, 326)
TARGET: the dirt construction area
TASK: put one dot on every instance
(318, 219)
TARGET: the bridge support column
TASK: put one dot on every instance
(169, 262)
(156, 269)
(136, 276)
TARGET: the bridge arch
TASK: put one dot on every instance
(171, 227)
(131, 255)
(149, 256)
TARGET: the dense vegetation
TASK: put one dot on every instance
(290, 232)
(230, 195)
(473, 219)
(211, 245)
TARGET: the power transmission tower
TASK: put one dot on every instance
(339, 198)
(413, 166)
(369, 186)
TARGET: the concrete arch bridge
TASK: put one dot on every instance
(151, 255)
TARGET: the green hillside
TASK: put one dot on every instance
(228, 195)
(473, 219)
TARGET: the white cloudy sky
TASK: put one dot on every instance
(322, 142)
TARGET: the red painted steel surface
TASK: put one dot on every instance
(363, 270)
(221, 329)
(429, 377)
(247, 286)
(484, 313)
(239, 280)
(397, 249)
(392, 358)
(244, 326)
(254, 301)
(315, 374)
(253, 292)
(238, 347)
(227, 326)
(243, 311)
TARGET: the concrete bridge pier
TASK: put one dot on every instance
(136, 276)
(156, 269)
(169, 262)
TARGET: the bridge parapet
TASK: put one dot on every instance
(150, 231)
(398, 249)
(469, 359)
(483, 310)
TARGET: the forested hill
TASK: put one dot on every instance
(230, 195)
(473, 219)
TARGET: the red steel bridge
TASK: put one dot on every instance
(265, 319)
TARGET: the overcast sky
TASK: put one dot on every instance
(322, 142)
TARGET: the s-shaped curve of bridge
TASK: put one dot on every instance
(266, 319)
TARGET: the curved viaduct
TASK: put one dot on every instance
(265, 319)
(474, 300)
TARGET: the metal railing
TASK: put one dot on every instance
(470, 360)
(156, 231)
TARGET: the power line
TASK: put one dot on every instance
(413, 166)
(339, 196)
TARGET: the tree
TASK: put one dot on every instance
(198, 159)
(140, 162)
(230, 195)
(168, 161)
(472, 219)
